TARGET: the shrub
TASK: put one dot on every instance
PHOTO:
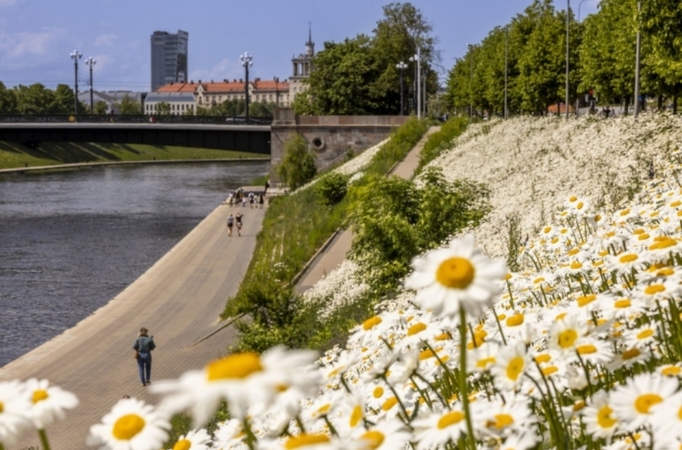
(298, 164)
(332, 187)
(441, 140)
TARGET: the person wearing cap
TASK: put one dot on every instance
(143, 353)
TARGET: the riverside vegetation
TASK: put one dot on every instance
(13, 155)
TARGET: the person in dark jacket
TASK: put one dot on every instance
(143, 353)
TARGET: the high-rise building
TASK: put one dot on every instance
(169, 58)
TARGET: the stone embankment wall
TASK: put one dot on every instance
(330, 137)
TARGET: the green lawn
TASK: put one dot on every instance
(50, 153)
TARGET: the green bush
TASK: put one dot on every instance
(394, 221)
(332, 187)
(298, 164)
(441, 140)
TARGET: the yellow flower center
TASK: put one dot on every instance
(645, 333)
(127, 427)
(654, 289)
(668, 371)
(416, 328)
(579, 205)
(625, 212)
(543, 358)
(643, 237)
(373, 439)
(624, 303)
(304, 440)
(665, 272)
(235, 366)
(586, 299)
(666, 242)
(572, 198)
(443, 337)
(575, 265)
(604, 418)
(547, 229)
(547, 371)
(371, 323)
(567, 338)
(628, 258)
(515, 320)
(503, 420)
(587, 349)
(485, 362)
(450, 418)
(426, 354)
(39, 395)
(390, 403)
(515, 368)
(675, 204)
(355, 416)
(2, 408)
(378, 392)
(629, 354)
(679, 414)
(324, 409)
(644, 402)
(183, 445)
(455, 273)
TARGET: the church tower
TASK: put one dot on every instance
(302, 67)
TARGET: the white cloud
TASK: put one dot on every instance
(105, 39)
(15, 45)
(226, 68)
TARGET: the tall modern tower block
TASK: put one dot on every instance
(169, 58)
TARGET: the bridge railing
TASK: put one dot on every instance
(124, 118)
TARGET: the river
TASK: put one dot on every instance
(71, 240)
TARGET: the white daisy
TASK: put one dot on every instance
(14, 405)
(598, 416)
(435, 429)
(130, 425)
(194, 440)
(48, 402)
(633, 401)
(457, 276)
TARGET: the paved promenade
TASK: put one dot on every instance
(332, 256)
(178, 299)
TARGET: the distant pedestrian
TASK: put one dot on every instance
(251, 199)
(267, 185)
(261, 200)
(238, 219)
(652, 173)
(143, 353)
(243, 202)
(230, 224)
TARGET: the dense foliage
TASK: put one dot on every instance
(442, 140)
(332, 187)
(359, 75)
(601, 58)
(298, 164)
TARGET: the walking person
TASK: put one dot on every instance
(230, 224)
(251, 199)
(143, 353)
(238, 218)
(261, 200)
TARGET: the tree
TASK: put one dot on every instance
(34, 99)
(262, 109)
(162, 109)
(63, 101)
(8, 101)
(101, 107)
(298, 164)
(129, 107)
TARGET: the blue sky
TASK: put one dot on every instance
(37, 36)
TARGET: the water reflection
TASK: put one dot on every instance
(71, 241)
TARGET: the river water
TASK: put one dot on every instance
(70, 241)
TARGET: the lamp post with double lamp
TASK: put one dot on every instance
(246, 60)
(91, 62)
(76, 55)
(506, 70)
(568, 23)
(577, 100)
(637, 55)
(401, 66)
(417, 58)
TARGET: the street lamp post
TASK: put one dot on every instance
(637, 50)
(417, 82)
(568, 23)
(401, 66)
(76, 55)
(277, 91)
(471, 82)
(91, 62)
(246, 62)
(506, 70)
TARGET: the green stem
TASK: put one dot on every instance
(43, 440)
(463, 376)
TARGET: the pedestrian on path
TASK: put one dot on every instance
(230, 224)
(143, 353)
(261, 200)
(238, 218)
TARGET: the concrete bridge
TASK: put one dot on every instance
(329, 137)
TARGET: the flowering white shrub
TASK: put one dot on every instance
(340, 287)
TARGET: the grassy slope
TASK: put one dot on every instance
(51, 153)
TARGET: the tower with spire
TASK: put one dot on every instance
(302, 66)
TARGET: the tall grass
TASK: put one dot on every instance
(441, 140)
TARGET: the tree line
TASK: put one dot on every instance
(602, 57)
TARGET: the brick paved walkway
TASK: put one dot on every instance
(178, 299)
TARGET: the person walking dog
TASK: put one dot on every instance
(143, 353)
